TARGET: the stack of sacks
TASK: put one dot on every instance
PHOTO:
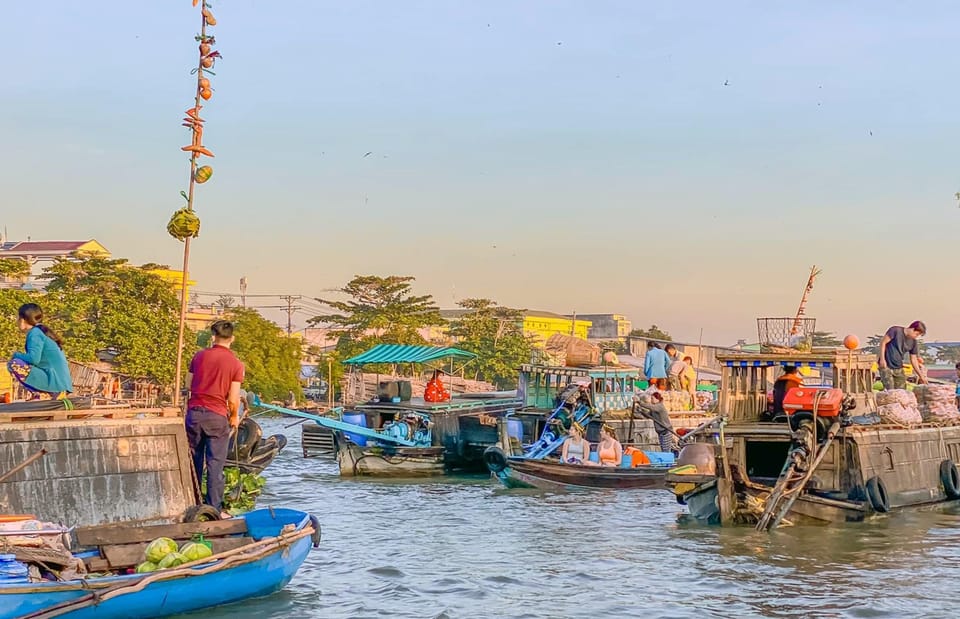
(672, 400)
(899, 407)
(937, 403)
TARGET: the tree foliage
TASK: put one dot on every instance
(379, 310)
(653, 333)
(495, 334)
(271, 358)
(11, 338)
(13, 268)
(872, 345)
(826, 339)
(106, 305)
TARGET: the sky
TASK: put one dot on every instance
(684, 164)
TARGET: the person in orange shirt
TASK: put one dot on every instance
(791, 378)
(609, 450)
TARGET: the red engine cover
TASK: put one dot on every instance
(802, 398)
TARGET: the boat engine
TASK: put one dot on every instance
(811, 411)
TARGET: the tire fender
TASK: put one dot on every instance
(877, 495)
(201, 513)
(950, 478)
(495, 459)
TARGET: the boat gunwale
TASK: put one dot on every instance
(250, 553)
(645, 470)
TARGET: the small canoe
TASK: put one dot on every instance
(387, 460)
(255, 555)
(519, 472)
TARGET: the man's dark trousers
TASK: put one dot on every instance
(208, 434)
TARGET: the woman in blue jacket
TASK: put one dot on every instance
(43, 368)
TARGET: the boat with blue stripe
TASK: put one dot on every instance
(256, 555)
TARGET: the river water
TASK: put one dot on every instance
(463, 547)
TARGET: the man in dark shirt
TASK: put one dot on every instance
(897, 345)
(213, 408)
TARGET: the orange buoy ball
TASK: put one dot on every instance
(206, 93)
(851, 342)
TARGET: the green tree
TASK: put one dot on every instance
(271, 358)
(826, 339)
(613, 345)
(11, 339)
(873, 344)
(13, 268)
(494, 333)
(379, 310)
(653, 333)
(106, 305)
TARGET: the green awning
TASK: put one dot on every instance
(401, 353)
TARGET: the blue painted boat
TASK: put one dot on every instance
(279, 540)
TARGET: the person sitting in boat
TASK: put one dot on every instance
(609, 449)
(42, 370)
(656, 411)
(566, 403)
(576, 449)
(434, 391)
(788, 380)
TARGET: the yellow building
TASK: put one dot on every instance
(542, 325)
(198, 318)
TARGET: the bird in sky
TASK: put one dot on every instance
(368, 153)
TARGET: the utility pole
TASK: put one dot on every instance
(291, 308)
(573, 325)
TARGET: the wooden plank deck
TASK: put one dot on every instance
(107, 412)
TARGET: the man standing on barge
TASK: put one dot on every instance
(897, 344)
(213, 408)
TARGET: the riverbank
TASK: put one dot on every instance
(461, 547)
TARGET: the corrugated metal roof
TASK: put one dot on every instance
(400, 353)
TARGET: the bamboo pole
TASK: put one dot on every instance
(186, 244)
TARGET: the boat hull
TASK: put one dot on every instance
(550, 475)
(377, 461)
(258, 576)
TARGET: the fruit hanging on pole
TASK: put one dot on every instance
(203, 174)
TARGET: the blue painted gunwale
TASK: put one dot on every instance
(239, 581)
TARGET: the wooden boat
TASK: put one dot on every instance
(837, 466)
(255, 555)
(387, 460)
(519, 472)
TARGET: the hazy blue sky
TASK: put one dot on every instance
(682, 163)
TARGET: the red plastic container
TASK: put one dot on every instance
(802, 399)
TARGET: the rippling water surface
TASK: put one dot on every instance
(463, 547)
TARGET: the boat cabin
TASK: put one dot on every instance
(611, 387)
(747, 379)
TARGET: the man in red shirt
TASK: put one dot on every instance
(213, 408)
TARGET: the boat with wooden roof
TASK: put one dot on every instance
(254, 555)
(828, 459)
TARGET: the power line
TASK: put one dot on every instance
(291, 308)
